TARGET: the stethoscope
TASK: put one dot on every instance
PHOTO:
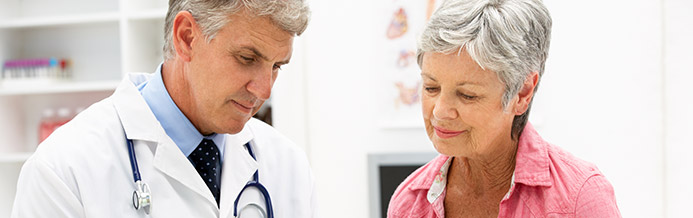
(142, 197)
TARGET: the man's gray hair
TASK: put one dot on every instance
(290, 15)
(509, 37)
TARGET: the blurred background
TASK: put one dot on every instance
(616, 91)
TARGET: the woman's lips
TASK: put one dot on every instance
(444, 133)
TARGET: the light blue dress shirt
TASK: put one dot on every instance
(176, 125)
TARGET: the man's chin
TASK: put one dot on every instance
(234, 126)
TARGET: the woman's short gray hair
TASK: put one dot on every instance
(509, 37)
(290, 15)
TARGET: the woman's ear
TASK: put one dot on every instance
(526, 93)
(184, 33)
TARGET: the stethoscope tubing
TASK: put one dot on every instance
(255, 183)
(133, 161)
(141, 197)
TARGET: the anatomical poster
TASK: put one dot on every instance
(401, 25)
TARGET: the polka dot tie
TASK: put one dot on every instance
(206, 160)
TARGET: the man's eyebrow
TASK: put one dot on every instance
(262, 56)
(255, 52)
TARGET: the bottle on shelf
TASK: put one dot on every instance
(64, 116)
(79, 110)
(46, 126)
(52, 119)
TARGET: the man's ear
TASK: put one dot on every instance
(526, 93)
(184, 34)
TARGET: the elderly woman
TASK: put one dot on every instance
(481, 63)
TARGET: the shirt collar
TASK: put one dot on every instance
(532, 159)
(425, 178)
(174, 122)
(439, 182)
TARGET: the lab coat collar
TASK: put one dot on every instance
(238, 167)
(137, 120)
(139, 123)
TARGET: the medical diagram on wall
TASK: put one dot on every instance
(402, 23)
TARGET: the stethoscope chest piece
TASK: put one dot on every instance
(142, 197)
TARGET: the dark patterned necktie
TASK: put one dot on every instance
(206, 159)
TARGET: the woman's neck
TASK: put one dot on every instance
(488, 175)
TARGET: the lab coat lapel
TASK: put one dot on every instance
(140, 123)
(238, 168)
(170, 160)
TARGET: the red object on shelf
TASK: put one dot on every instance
(45, 129)
(50, 123)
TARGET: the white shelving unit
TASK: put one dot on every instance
(15, 157)
(61, 87)
(21, 23)
(104, 39)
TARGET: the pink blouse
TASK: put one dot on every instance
(548, 182)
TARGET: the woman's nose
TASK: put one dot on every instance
(445, 108)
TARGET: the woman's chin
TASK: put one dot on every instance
(448, 149)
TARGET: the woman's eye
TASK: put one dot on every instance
(431, 89)
(467, 97)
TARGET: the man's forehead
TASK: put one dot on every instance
(259, 35)
(260, 26)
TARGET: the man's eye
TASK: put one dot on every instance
(277, 67)
(247, 59)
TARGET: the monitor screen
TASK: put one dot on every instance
(387, 171)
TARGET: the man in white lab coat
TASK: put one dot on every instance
(189, 126)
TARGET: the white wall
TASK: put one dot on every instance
(289, 109)
(678, 106)
(602, 98)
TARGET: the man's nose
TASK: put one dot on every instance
(261, 85)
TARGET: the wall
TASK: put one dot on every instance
(678, 106)
(605, 97)
(601, 97)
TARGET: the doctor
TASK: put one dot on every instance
(189, 127)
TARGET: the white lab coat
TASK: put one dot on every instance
(83, 170)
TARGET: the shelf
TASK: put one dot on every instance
(14, 157)
(148, 14)
(60, 20)
(59, 87)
